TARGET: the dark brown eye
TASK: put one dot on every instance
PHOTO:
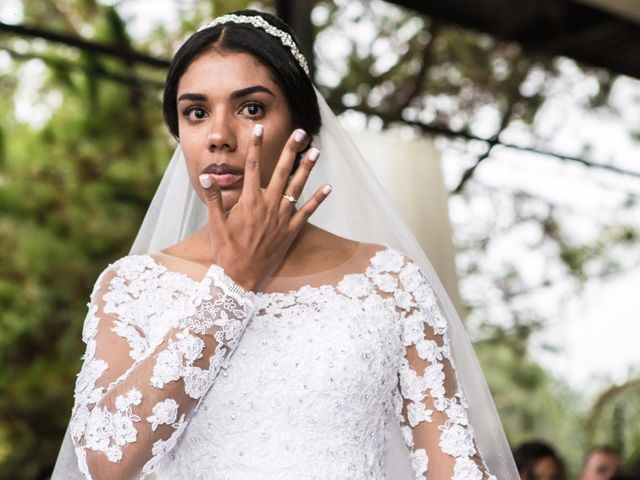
(199, 113)
(195, 114)
(253, 109)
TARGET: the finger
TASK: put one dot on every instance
(296, 142)
(296, 185)
(301, 216)
(213, 195)
(251, 183)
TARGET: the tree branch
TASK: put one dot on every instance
(513, 97)
(447, 132)
(85, 45)
(134, 57)
(417, 85)
(128, 80)
(492, 142)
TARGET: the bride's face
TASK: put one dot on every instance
(221, 96)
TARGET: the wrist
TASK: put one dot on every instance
(248, 283)
(242, 280)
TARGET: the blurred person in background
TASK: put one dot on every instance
(538, 461)
(601, 463)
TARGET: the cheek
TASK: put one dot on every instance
(191, 154)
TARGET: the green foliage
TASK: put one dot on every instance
(532, 404)
(611, 420)
(73, 195)
(598, 257)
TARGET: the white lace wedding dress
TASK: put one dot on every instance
(201, 379)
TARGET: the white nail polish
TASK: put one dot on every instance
(205, 181)
(326, 189)
(313, 154)
(258, 130)
(299, 135)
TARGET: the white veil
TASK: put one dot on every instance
(358, 208)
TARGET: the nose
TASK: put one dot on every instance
(221, 134)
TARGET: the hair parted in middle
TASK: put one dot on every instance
(267, 49)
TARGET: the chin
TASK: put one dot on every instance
(229, 199)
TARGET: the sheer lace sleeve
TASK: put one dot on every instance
(134, 395)
(431, 408)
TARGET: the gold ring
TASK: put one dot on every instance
(290, 198)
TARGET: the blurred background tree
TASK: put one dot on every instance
(79, 165)
(75, 184)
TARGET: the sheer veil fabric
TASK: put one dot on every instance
(358, 208)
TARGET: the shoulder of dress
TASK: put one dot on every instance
(133, 265)
(394, 272)
(128, 268)
(388, 259)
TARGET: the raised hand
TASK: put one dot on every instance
(250, 241)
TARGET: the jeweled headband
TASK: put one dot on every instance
(260, 22)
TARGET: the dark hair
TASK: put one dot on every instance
(603, 449)
(527, 454)
(245, 38)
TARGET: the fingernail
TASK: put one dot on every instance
(313, 154)
(299, 135)
(257, 130)
(205, 181)
(326, 189)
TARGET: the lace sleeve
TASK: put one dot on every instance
(432, 408)
(131, 406)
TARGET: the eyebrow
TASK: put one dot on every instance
(192, 96)
(235, 95)
(249, 90)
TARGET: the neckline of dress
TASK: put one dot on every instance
(319, 287)
(323, 272)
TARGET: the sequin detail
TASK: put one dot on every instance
(318, 377)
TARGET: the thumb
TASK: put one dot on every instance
(213, 195)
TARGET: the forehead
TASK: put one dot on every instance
(215, 71)
(605, 456)
(600, 458)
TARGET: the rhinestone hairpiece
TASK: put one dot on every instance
(260, 22)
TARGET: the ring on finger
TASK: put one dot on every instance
(291, 198)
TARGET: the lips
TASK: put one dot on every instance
(227, 180)
(225, 175)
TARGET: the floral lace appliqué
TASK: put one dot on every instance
(311, 387)
(213, 309)
(425, 329)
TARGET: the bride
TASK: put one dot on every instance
(238, 340)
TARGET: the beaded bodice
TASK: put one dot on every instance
(308, 383)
